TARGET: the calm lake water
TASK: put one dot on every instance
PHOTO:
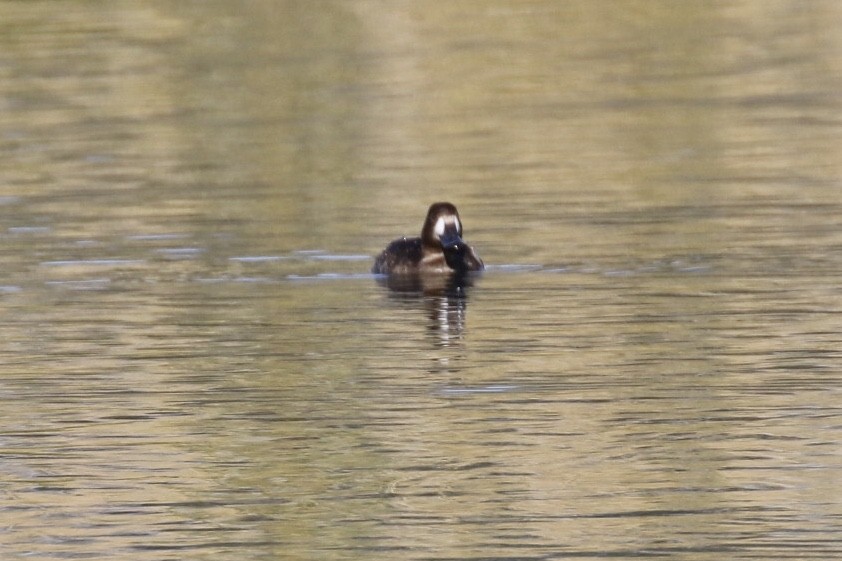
(196, 364)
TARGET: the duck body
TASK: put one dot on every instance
(440, 249)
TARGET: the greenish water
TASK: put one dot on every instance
(196, 364)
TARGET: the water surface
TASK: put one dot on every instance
(197, 364)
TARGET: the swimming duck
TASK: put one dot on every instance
(440, 249)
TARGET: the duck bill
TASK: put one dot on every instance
(451, 242)
(454, 249)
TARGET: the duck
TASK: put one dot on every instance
(440, 249)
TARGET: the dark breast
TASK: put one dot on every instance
(400, 256)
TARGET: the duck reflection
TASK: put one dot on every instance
(445, 298)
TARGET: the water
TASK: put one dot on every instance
(196, 363)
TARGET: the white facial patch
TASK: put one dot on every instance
(439, 230)
(443, 222)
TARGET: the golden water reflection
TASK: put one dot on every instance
(198, 364)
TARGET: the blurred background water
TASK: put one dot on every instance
(195, 362)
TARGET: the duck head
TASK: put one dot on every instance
(443, 231)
